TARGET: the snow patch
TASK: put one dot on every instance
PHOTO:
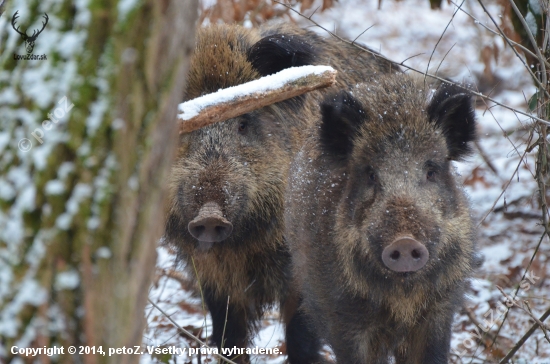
(103, 253)
(80, 192)
(54, 187)
(67, 280)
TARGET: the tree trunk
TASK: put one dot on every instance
(87, 138)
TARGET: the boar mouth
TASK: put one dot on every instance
(209, 226)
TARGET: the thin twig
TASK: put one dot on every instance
(516, 171)
(523, 339)
(515, 303)
(445, 56)
(225, 322)
(439, 40)
(363, 32)
(517, 289)
(486, 158)
(474, 320)
(314, 11)
(402, 63)
(193, 337)
(506, 136)
(503, 190)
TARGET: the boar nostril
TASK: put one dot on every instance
(209, 226)
(405, 255)
(197, 230)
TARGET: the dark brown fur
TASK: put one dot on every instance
(242, 165)
(380, 168)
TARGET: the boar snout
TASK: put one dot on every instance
(405, 255)
(209, 226)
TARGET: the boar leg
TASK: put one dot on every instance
(302, 343)
(236, 327)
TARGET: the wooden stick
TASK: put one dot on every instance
(238, 100)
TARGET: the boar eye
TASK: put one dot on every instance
(372, 177)
(243, 125)
(430, 176)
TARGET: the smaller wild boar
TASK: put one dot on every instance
(380, 231)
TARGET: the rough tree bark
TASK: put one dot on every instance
(82, 188)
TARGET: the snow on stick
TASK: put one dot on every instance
(238, 100)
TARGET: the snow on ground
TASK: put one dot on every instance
(508, 236)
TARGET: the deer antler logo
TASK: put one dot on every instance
(29, 41)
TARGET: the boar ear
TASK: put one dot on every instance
(341, 117)
(451, 108)
(277, 52)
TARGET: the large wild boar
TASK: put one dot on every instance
(379, 229)
(227, 188)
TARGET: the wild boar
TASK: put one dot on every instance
(380, 231)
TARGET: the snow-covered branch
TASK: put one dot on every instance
(238, 100)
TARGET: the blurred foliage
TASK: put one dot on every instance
(535, 13)
(237, 11)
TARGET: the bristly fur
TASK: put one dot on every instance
(241, 165)
(384, 175)
(220, 60)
